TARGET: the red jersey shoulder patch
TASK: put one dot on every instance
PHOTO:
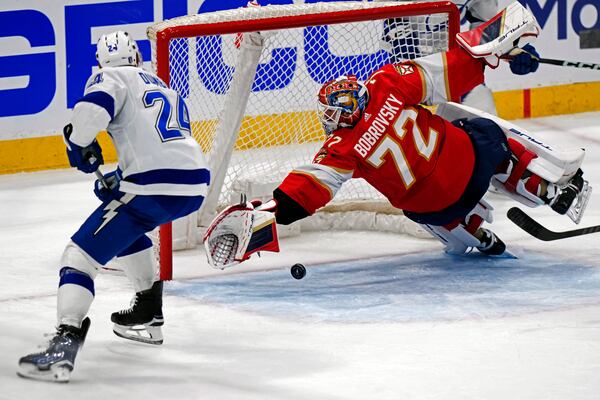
(404, 69)
(320, 155)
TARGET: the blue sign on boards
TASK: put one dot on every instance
(38, 69)
(542, 10)
(81, 52)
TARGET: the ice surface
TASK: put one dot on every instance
(378, 316)
(427, 286)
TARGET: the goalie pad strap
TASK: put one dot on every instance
(471, 223)
(474, 223)
(533, 183)
(524, 157)
(452, 224)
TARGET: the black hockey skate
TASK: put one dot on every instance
(143, 320)
(572, 198)
(56, 362)
(491, 244)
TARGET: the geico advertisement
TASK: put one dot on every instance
(47, 52)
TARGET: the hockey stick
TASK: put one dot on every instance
(535, 229)
(101, 178)
(562, 63)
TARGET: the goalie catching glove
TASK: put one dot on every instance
(239, 231)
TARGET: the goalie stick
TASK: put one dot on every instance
(537, 230)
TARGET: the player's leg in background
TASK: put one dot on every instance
(481, 98)
(400, 40)
(142, 321)
(125, 238)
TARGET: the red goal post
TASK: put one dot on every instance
(189, 51)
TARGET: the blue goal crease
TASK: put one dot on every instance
(415, 287)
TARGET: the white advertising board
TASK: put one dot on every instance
(47, 50)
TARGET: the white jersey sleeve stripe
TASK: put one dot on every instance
(172, 189)
(328, 177)
(176, 182)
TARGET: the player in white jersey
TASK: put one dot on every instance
(407, 37)
(161, 176)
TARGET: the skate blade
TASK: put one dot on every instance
(473, 253)
(59, 372)
(575, 212)
(140, 333)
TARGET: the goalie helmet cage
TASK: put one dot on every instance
(256, 73)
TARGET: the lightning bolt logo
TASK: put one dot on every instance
(111, 210)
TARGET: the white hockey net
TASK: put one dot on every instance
(253, 104)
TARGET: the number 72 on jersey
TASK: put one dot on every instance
(407, 120)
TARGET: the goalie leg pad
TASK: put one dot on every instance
(530, 189)
(517, 181)
(459, 236)
(540, 160)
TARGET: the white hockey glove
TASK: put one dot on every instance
(512, 27)
(238, 232)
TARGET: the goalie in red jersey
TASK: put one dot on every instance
(435, 170)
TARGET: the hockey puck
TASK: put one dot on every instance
(298, 271)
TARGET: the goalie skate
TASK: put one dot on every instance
(491, 244)
(580, 204)
(573, 198)
(56, 362)
(143, 320)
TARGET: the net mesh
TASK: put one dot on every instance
(270, 102)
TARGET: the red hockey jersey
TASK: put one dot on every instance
(419, 161)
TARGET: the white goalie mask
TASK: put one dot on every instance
(117, 49)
